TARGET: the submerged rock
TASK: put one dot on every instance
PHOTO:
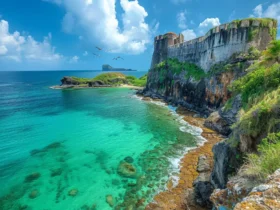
(129, 159)
(34, 194)
(32, 177)
(73, 192)
(127, 170)
(110, 200)
(56, 172)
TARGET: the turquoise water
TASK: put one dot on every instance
(61, 149)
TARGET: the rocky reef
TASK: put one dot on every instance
(238, 95)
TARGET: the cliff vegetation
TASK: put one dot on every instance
(105, 80)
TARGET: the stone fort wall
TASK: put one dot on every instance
(219, 44)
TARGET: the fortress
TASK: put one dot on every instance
(218, 45)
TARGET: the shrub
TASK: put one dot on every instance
(141, 82)
(259, 166)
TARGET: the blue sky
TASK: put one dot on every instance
(62, 34)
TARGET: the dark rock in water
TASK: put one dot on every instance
(116, 182)
(23, 207)
(129, 159)
(127, 170)
(34, 194)
(54, 145)
(203, 191)
(35, 152)
(73, 192)
(32, 177)
(110, 200)
(56, 172)
(225, 163)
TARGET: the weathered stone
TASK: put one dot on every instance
(73, 192)
(34, 194)
(203, 191)
(127, 170)
(110, 200)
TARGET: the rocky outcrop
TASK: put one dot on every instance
(222, 120)
(202, 186)
(225, 163)
(241, 193)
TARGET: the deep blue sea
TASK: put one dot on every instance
(72, 149)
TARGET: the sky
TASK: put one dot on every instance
(65, 34)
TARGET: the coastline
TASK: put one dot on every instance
(180, 197)
(62, 87)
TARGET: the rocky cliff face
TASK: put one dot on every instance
(224, 54)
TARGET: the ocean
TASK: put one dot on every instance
(84, 149)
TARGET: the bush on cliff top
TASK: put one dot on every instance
(259, 166)
(141, 82)
(176, 67)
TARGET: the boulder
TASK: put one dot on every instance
(33, 194)
(126, 169)
(129, 159)
(110, 200)
(73, 192)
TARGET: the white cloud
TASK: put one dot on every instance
(210, 22)
(97, 22)
(181, 19)
(85, 53)
(258, 10)
(189, 34)
(272, 11)
(178, 1)
(18, 47)
(74, 59)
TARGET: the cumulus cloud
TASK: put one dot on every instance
(189, 34)
(210, 22)
(17, 47)
(182, 20)
(178, 1)
(74, 59)
(272, 11)
(96, 21)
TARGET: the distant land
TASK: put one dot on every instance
(107, 67)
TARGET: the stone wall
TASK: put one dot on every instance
(219, 44)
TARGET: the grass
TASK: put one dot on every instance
(141, 82)
(259, 166)
(176, 67)
(110, 77)
(263, 77)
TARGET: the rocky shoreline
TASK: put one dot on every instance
(195, 171)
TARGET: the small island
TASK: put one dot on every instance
(107, 67)
(111, 79)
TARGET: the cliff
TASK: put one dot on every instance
(219, 44)
(231, 76)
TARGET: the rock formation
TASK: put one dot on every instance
(198, 74)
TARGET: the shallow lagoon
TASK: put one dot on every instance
(60, 149)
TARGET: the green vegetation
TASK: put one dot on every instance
(176, 67)
(108, 78)
(264, 77)
(259, 166)
(252, 33)
(112, 78)
(260, 93)
(141, 82)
